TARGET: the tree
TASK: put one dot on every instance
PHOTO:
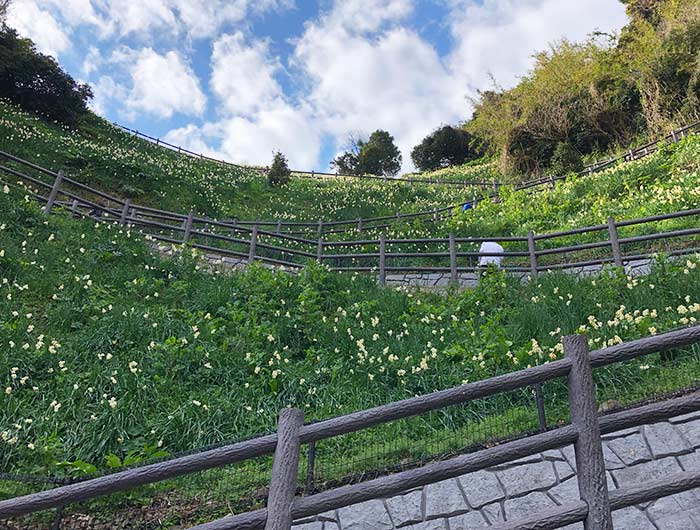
(37, 83)
(376, 156)
(279, 173)
(446, 146)
(4, 8)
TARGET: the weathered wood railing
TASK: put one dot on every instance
(241, 243)
(300, 173)
(436, 214)
(584, 432)
(632, 154)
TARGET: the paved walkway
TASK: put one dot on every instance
(506, 493)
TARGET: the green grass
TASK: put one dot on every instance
(99, 154)
(116, 355)
(147, 355)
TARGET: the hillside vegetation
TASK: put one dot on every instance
(110, 350)
(99, 154)
(601, 94)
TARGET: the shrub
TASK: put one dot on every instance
(565, 159)
(446, 146)
(279, 173)
(37, 83)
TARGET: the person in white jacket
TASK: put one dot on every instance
(490, 247)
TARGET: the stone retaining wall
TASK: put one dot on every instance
(479, 500)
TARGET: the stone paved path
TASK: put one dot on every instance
(505, 493)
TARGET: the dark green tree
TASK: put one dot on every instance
(446, 146)
(37, 83)
(566, 159)
(376, 156)
(279, 173)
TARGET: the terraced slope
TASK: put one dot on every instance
(105, 157)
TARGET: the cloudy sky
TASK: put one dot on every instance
(237, 79)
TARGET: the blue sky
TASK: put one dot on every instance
(237, 79)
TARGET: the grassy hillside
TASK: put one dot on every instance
(107, 349)
(107, 158)
(664, 182)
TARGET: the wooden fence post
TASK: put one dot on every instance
(533, 253)
(382, 259)
(253, 244)
(54, 193)
(279, 227)
(319, 250)
(72, 212)
(674, 137)
(283, 484)
(319, 230)
(359, 224)
(614, 243)
(453, 258)
(590, 465)
(125, 211)
(188, 227)
(435, 215)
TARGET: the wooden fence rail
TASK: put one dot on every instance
(434, 215)
(450, 256)
(584, 432)
(632, 154)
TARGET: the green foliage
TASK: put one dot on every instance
(37, 83)
(98, 154)
(279, 173)
(565, 159)
(574, 94)
(4, 7)
(376, 156)
(446, 146)
(110, 354)
(601, 94)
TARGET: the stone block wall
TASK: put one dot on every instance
(477, 501)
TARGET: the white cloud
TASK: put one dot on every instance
(76, 12)
(280, 126)
(138, 16)
(394, 80)
(242, 75)
(161, 84)
(142, 18)
(39, 25)
(203, 18)
(500, 36)
(358, 67)
(106, 90)
(197, 139)
(366, 15)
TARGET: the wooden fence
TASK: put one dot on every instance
(300, 230)
(631, 154)
(452, 256)
(584, 431)
(300, 173)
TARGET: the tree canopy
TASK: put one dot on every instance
(376, 156)
(36, 82)
(446, 146)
